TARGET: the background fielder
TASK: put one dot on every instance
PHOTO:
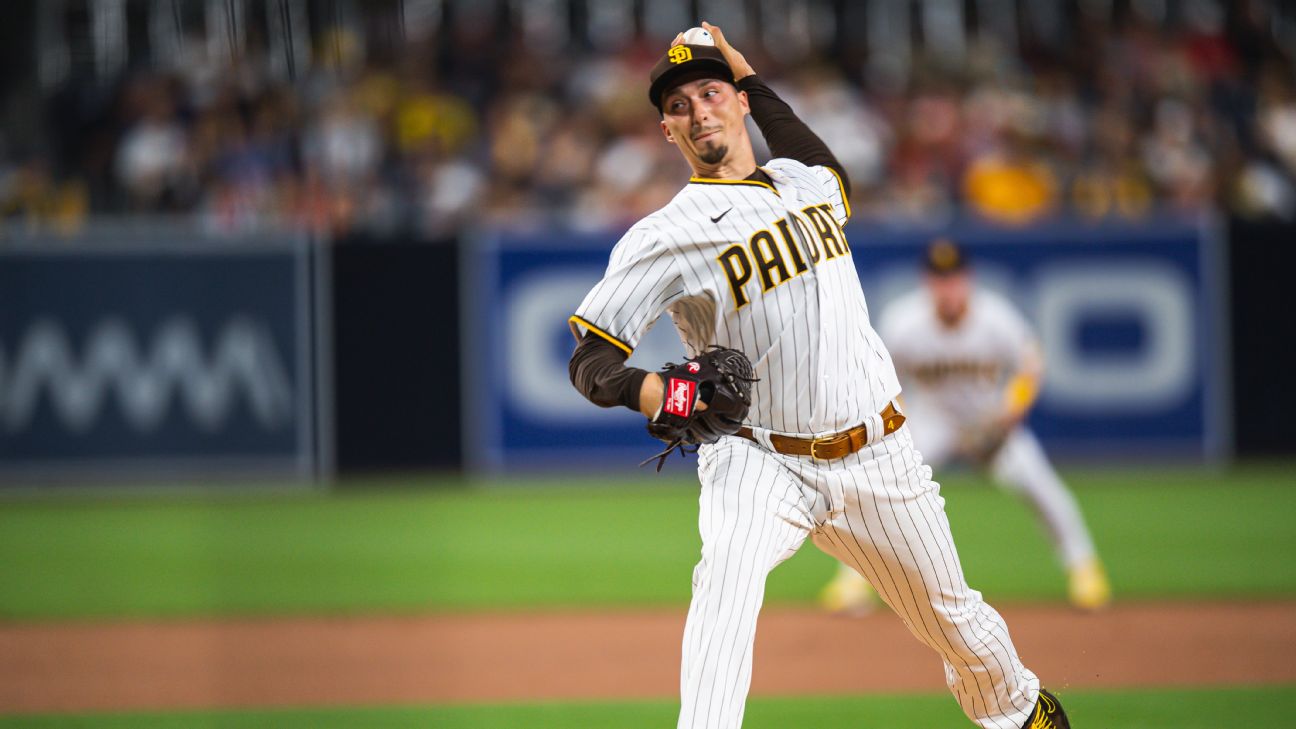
(971, 370)
(754, 258)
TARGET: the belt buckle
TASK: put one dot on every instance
(828, 441)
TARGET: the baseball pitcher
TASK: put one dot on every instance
(754, 269)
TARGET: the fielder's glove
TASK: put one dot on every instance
(981, 444)
(719, 377)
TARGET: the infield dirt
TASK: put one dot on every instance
(190, 664)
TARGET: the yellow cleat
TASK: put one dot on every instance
(1087, 585)
(848, 594)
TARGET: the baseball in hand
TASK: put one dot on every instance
(698, 37)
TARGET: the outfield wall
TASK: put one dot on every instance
(154, 352)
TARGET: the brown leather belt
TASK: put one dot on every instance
(829, 447)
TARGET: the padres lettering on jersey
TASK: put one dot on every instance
(937, 372)
(763, 269)
(768, 255)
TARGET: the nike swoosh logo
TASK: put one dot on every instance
(716, 219)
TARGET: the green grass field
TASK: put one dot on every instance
(399, 546)
(1179, 533)
(1215, 709)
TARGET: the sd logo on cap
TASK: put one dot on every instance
(686, 62)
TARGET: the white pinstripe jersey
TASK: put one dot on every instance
(765, 270)
(959, 370)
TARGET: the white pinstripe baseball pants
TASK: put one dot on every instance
(877, 511)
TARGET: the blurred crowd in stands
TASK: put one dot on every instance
(1126, 119)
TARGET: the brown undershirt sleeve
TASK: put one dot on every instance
(598, 371)
(785, 133)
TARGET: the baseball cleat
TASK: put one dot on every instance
(1048, 714)
(848, 594)
(1087, 585)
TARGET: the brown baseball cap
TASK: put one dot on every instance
(686, 62)
(944, 257)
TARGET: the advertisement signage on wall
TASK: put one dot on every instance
(149, 358)
(1128, 318)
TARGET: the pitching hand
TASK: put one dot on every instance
(739, 65)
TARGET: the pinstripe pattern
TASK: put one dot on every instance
(876, 510)
(892, 529)
(753, 514)
(817, 375)
(769, 272)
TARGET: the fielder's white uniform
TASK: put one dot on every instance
(767, 270)
(954, 380)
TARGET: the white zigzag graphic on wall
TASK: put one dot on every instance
(243, 360)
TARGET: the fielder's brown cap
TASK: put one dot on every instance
(685, 63)
(944, 256)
